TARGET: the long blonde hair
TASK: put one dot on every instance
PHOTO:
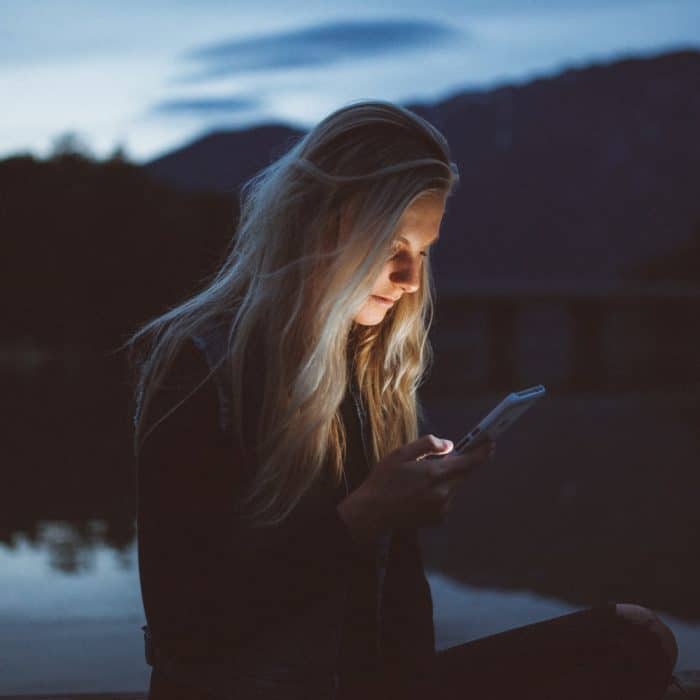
(315, 229)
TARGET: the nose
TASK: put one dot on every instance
(407, 276)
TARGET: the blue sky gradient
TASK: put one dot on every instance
(149, 77)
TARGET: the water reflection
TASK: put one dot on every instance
(75, 630)
(72, 548)
(35, 591)
(593, 495)
(90, 620)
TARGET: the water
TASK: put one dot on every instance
(591, 496)
(80, 632)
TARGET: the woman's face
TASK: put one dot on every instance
(417, 229)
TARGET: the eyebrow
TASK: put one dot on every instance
(405, 240)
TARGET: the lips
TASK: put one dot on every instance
(386, 300)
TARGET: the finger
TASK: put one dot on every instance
(454, 467)
(424, 445)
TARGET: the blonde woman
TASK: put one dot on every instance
(281, 474)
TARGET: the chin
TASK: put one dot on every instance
(370, 318)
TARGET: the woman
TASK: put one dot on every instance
(281, 477)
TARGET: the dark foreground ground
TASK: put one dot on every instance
(690, 681)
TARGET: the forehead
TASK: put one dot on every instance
(428, 209)
(422, 219)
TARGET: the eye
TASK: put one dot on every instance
(397, 251)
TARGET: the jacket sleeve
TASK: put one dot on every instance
(406, 629)
(202, 574)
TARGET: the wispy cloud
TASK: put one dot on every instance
(206, 106)
(321, 45)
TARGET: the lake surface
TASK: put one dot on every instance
(591, 496)
(81, 632)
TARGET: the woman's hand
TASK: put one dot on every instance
(406, 490)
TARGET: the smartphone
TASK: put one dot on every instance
(498, 420)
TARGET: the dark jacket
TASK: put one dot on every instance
(301, 603)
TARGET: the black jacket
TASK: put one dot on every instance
(301, 596)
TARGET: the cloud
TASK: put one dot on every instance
(206, 106)
(320, 45)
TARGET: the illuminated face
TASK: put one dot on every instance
(417, 229)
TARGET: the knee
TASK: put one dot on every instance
(639, 615)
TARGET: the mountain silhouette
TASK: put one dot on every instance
(586, 180)
(573, 179)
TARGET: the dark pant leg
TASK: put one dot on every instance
(587, 654)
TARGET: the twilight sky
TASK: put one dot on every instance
(152, 76)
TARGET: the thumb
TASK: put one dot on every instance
(423, 446)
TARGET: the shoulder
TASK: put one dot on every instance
(192, 389)
(211, 341)
(185, 387)
(199, 377)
